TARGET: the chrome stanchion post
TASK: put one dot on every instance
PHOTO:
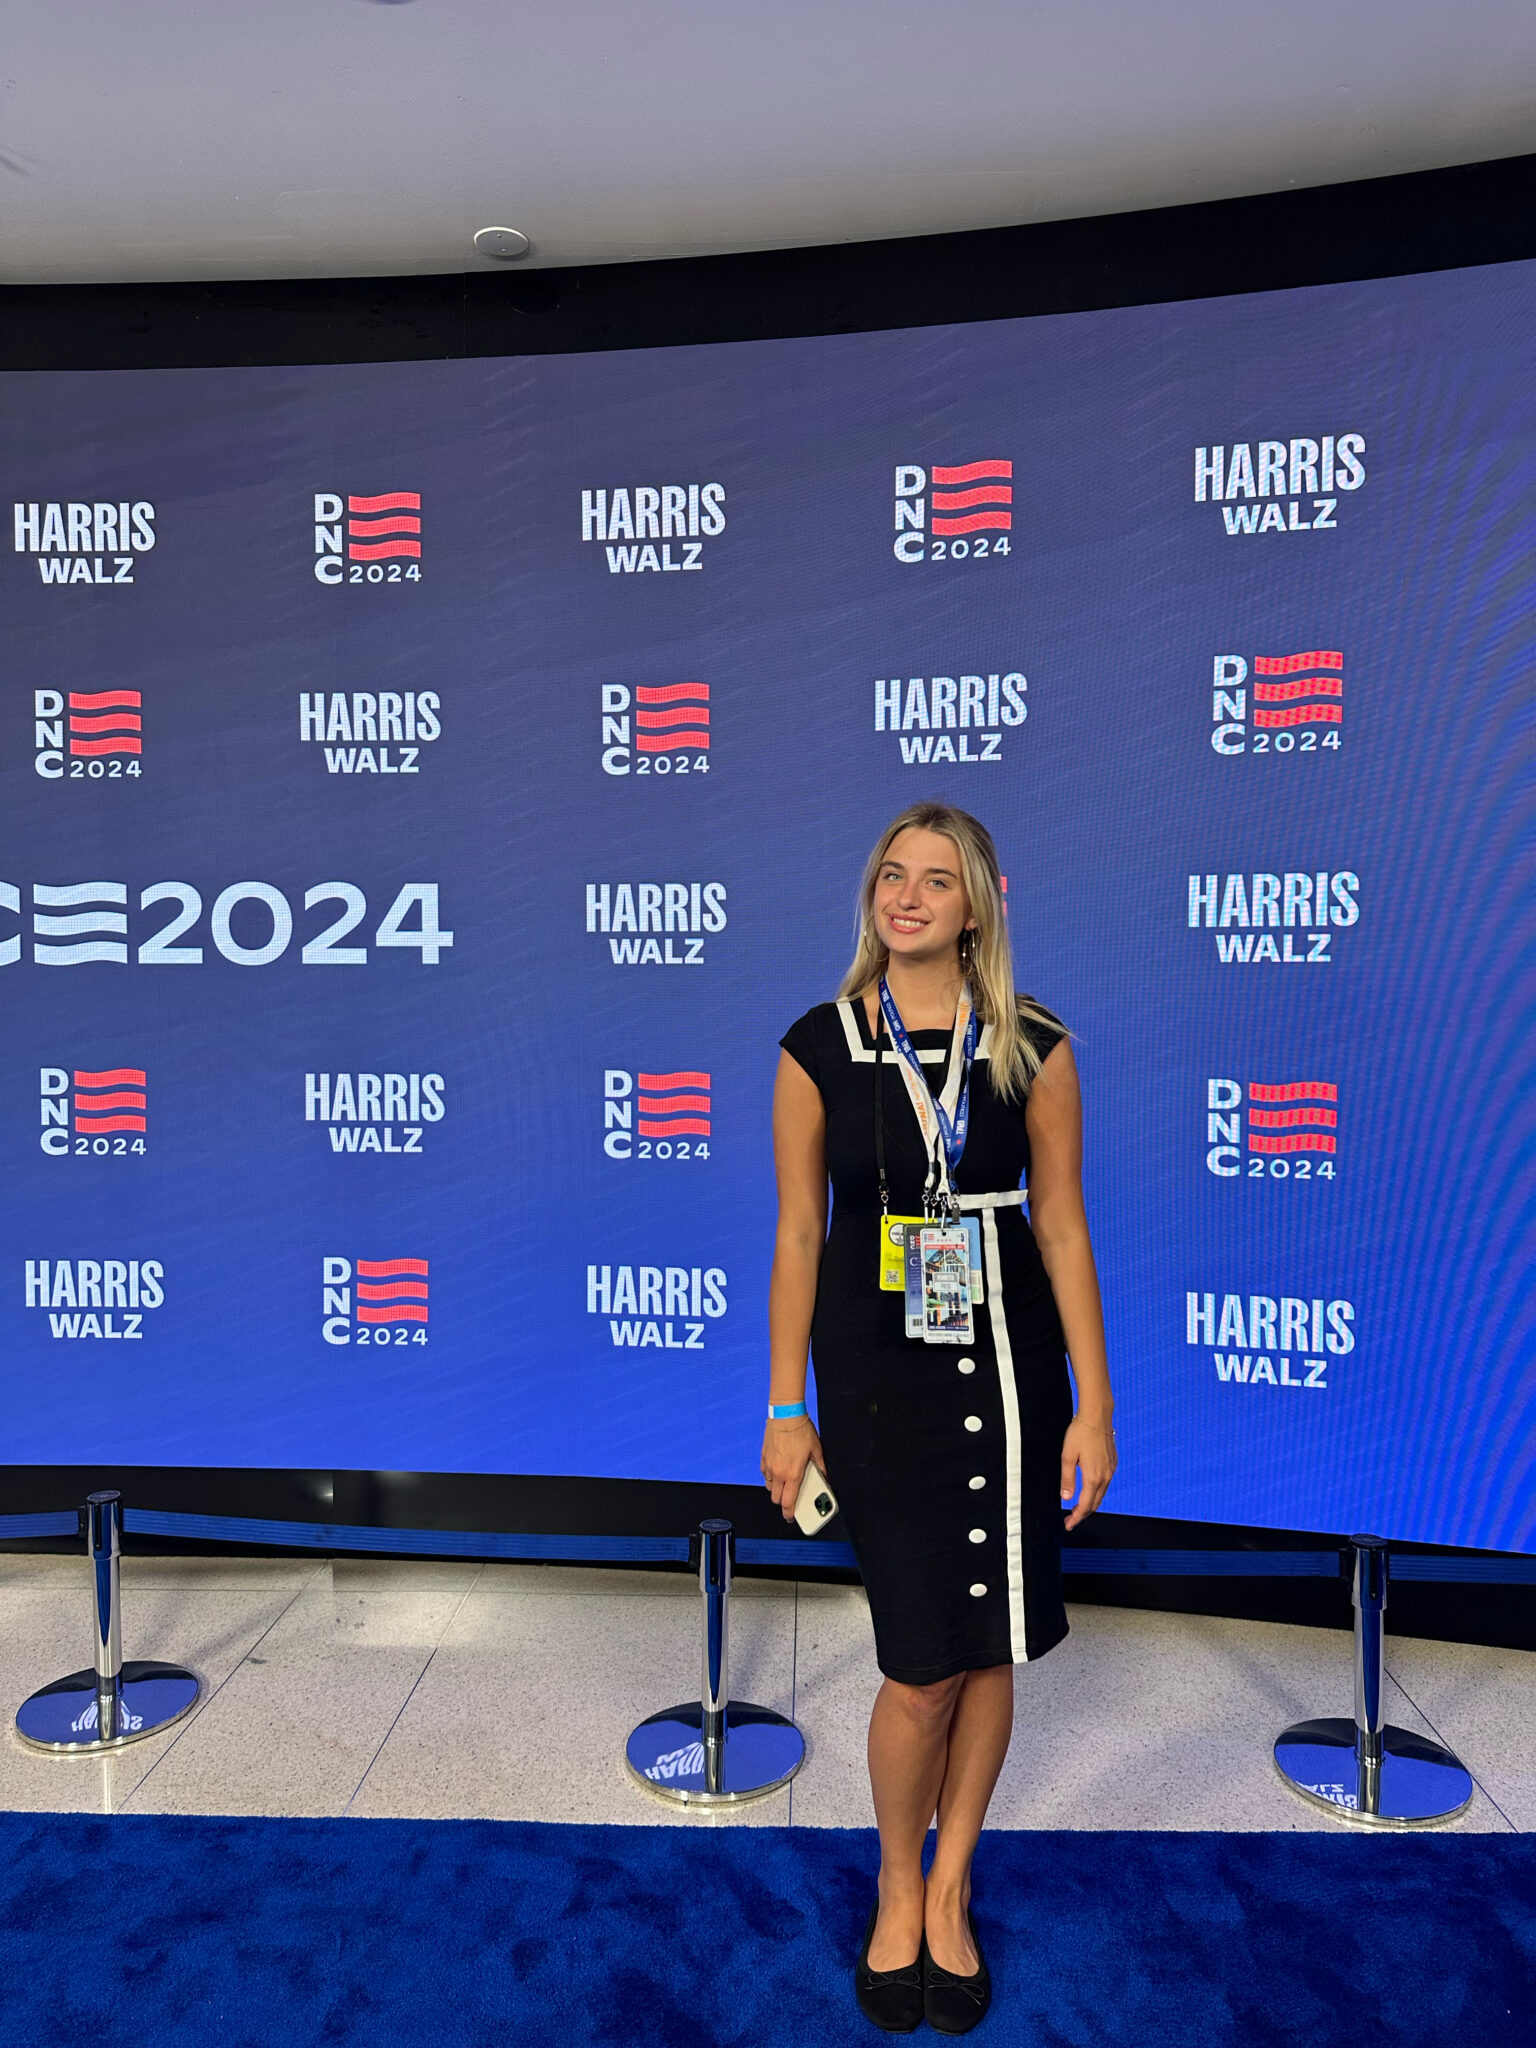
(1370, 1596)
(104, 1547)
(1363, 1771)
(714, 1751)
(112, 1703)
(715, 1585)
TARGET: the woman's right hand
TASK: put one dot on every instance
(788, 1447)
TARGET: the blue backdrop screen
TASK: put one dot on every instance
(430, 789)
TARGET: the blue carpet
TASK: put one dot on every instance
(454, 1934)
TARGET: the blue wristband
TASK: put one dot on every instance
(786, 1411)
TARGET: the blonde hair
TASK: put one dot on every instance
(987, 962)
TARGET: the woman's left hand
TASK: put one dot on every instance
(1089, 1448)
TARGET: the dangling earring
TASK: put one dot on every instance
(967, 949)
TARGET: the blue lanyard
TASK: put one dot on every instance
(952, 1134)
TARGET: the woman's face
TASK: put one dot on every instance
(920, 904)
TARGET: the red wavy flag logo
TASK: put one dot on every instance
(670, 716)
(115, 1099)
(383, 526)
(391, 1290)
(970, 497)
(674, 1105)
(1292, 1116)
(105, 722)
(1298, 689)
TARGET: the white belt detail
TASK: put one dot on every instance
(1011, 1198)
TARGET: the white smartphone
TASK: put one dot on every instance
(816, 1503)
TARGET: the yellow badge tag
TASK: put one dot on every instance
(893, 1253)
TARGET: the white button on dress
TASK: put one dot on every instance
(973, 1423)
(978, 1535)
(977, 1483)
(966, 1364)
(977, 1591)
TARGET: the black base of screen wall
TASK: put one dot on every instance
(1496, 1615)
(1330, 234)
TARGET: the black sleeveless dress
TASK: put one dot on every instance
(946, 1462)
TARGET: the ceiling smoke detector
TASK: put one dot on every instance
(507, 244)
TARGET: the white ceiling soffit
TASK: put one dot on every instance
(292, 138)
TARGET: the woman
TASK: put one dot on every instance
(949, 1460)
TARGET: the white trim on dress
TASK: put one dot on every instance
(1013, 1488)
(930, 1056)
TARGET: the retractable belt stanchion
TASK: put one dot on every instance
(113, 1702)
(715, 1751)
(1362, 1770)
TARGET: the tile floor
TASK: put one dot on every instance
(447, 1690)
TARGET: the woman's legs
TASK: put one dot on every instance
(979, 1731)
(908, 1752)
(934, 1746)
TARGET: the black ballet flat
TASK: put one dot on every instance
(892, 2000)
(951, 2004)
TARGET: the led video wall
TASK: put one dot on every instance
(428, 790)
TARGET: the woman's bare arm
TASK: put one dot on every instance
(800, 1166)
